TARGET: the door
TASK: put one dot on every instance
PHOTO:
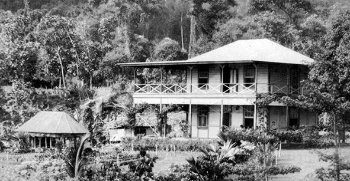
(277, 117)
(227, 119)
(226, 79)
(294, 80)
(294, 118)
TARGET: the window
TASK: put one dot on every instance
(203, 112)
(203, 77)
(248, 116)
(249, 75)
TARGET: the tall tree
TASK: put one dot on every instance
(209, 13)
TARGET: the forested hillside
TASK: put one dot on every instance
(77, 45)
(46, 42)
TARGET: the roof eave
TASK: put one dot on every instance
(189, 63)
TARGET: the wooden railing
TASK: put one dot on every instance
(228, 88)
(199, 89)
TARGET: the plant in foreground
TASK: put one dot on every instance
(338, 170)
(216, 162)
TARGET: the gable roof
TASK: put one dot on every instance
(54, 123)
(241, 51)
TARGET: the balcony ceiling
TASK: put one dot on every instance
(241, 51)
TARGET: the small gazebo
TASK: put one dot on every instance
(47, 127)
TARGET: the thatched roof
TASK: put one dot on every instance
(50, 122)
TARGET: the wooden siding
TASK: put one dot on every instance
(263, 78)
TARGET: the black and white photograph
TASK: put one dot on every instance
(175, 90)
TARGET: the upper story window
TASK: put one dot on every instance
(203, 114)
(249, 75)
(203, 77)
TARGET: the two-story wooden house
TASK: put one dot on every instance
(223, 84)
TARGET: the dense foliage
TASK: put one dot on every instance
(165, 144)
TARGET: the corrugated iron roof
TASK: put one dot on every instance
(54, 123)
(241, 51)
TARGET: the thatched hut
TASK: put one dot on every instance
(47, 127)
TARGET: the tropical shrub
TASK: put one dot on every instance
(338, 169)
(165, 144)
(215, 163)
(313, 139)
(178, 173)
(288, 136)
(250, 135)
(143, 165)
(46, 166)
(23, 145)
(261, 165)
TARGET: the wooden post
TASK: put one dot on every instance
(287, 115)
(256, 78)
(191, 67)
(288, 80)
(50, 142)
(40, 141)
(190, 117)
(255, 116)
(118, 161)
(221, 114)
(34, 142)
(45, 142)
(222, 77)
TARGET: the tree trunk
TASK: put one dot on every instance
(90, 81)
(62, 71)
(336, 139)
(192, 36)
(127, 41)
(182, 35)
(26, 4)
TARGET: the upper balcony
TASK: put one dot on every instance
(210, 94)
(216, 89)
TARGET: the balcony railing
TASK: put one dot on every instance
(214, 89)
(194, 89)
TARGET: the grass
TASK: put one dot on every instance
(306, 159)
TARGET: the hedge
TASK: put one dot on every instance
(166, 144)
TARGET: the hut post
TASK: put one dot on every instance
(50, 142)
(45, 142)
(40, 142)
(34, 141)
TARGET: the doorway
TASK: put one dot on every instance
(227, 119)
(226, 79)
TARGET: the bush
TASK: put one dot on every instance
(250, 135)
(2, 146)
(166, 144)
(23, 145)
(42, 168)
(288, 136)
(177, 173)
